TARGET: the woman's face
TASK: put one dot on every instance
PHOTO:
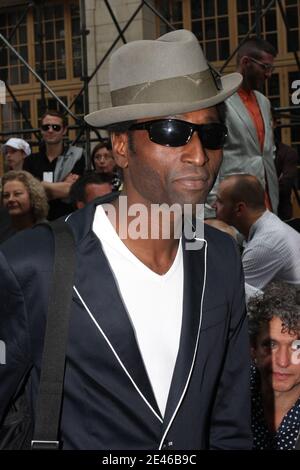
(104, 161)
(16, 198)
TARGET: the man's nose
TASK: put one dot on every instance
(283, 357)
(194, 151)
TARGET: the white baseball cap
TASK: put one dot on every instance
(18, 144)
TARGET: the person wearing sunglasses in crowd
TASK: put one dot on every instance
(56, 165)
(158, 355)
(249, 147)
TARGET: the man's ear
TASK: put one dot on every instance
(119, 143)
(240, 208)
(244, 60)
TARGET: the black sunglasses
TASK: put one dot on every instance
(55, 127)
(176, 133)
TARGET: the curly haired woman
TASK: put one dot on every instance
(24, 198)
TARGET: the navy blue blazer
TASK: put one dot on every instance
(108, 400)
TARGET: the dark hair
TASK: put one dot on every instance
(77, 191)
(254, 47)
(280, 300)
(53, 112)
(246, 188)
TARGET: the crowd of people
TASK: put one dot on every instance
(53, 171)
(160, 354)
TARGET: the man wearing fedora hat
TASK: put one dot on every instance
(158, 354)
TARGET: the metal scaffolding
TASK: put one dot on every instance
(84, 134)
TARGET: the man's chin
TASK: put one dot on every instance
(259, 87)
(192, 200)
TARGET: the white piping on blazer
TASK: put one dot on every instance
(116, 355)
(195, 352)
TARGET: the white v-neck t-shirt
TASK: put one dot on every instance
(153, 302)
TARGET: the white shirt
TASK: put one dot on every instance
(272, 252)
(153, 303)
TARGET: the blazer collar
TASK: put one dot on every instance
(81, 220)
(239, 107)
(193, 294)
(265, 115)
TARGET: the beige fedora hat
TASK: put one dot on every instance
(161, 77)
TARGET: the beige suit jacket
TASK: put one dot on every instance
(242, 152)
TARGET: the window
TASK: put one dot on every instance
(56, 44)
(59, 51)
(292, 16)
(11, 69)
(208, 19)
(210, 25)
(246, 16)
(272, 90)
(76, 41)
(171, 11)
(49, 24)
(12, 120)
(52, 49)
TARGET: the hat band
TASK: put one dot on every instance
(189, 88)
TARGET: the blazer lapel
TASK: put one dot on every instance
(242, 112)
(97, 291)
(194, 286)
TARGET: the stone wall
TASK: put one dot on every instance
(103, 33)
